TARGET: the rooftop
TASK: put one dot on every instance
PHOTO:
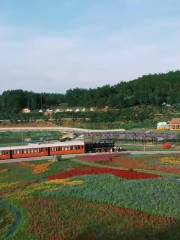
(175, 121)
(44, 145)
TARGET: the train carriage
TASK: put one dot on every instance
(40, 150)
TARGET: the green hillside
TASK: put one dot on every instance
(147, 90)
(134, 104)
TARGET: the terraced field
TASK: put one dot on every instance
(99, 197)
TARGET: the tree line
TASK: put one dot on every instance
(152, 89)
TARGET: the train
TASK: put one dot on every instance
(55, 149)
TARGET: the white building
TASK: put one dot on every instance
(92, 109)
(26, 110)
(162, 126)
(69, 110)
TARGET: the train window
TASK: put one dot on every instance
(0, 153)
(5, 153)
(71, 147)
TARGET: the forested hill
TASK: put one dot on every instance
(150, 90)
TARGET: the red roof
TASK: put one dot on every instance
(175, 121)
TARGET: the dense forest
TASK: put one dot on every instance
(150, 89)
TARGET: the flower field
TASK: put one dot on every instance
(75, 172)
(93, 197)
(163, 164)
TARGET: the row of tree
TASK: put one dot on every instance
(148, 90)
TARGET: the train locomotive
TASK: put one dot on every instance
(54, 149)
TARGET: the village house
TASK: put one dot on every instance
(174, 124)
(26, 110)
(69, 110)
(92, 109)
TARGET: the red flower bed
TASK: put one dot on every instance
(126, 174)
(167, 146)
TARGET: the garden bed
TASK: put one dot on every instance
(126, 174)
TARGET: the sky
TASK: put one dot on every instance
(54, 45)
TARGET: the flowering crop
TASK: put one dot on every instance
(171, 160)
(69, 218)
(98, 204)
(154, 163)
(96, 171)
(37, 168)
(4, 170)
(156, 196)
(66, 182)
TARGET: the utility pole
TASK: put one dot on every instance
(41, 101)
(144, 142)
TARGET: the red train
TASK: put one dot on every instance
(40, 150)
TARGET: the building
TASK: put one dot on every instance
(162, 126)
(174, 124)
(92, 109)
(69, 110)
(26, 110)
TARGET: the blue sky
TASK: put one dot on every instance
(59, 44)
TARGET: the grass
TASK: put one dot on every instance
(19, 138)
(7, 219)
(147, 147)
